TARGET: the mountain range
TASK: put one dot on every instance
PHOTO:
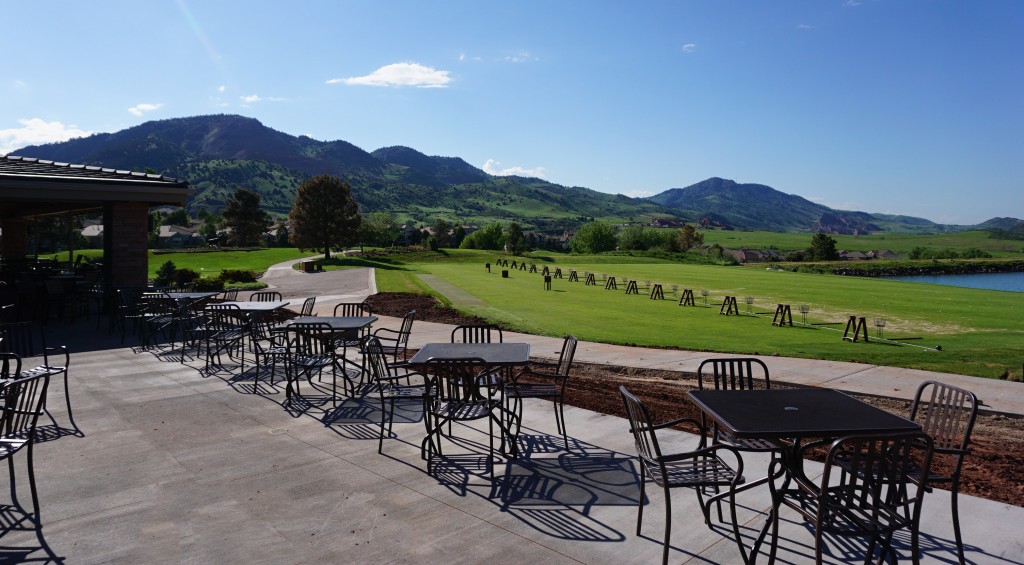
(218, 154)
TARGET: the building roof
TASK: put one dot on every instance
(37, 187)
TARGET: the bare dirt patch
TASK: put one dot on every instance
(994, 470)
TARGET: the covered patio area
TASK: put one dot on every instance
(35, 188)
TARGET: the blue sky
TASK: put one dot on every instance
(907, 107)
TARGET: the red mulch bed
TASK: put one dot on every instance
(994, 470)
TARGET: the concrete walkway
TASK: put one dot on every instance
(171, 465)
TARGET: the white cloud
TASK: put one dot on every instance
(140, 109)
(400, 74)
(493, 167)
(689, 48)
(638, 193)
(221, 88)
(519, 57)
(851, 3)
(35, 131)
(804, 26)
(20, 83)
(253, 98)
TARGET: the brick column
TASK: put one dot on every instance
(125, 236)
(15, 238)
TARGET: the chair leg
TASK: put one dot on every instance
(32, 484)
(953, 501)
(640, 504)
(383, 420)
(561, 421)
(14, 488)
(668, 525)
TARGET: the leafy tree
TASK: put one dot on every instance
(325, 216)
(164, 273)
(688, 238)
(515, 240)
(380, 229)
(488, 237)
(281, 239)
(441, 229)
(823, 248)
(209, 227)
(458, 234)
(245, 219)
(633, 238)
(178, 217)
(595, 237)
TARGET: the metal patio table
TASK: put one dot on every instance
(787, 416)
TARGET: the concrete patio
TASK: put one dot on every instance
(171, 467)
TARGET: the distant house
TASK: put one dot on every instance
(665, 223)
(747, 255)
(94, 234)
(852, 255)
(177, 237)
(882, 254)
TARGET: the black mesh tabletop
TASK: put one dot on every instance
(796, 413)
(336, 322)
(492, 353)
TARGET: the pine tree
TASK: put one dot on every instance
(325, 216)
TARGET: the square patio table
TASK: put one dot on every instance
(344, 325)
(254, 307)
(496, 354)
(796, 413)
(787, 416)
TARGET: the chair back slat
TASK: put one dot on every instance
(642, 428)
(10, 365)
(353, 310)
(376, 360)
(870, 476)
(458, 380)
(480, 333)
(734, 373)
(265, 296)
(946, 413)
(23, 401)
(311, 339)
(307, 306)
(568, 352)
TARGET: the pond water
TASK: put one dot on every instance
(1013, 282)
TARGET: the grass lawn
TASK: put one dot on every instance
(901, 244)
(210, 264)
(979, 331)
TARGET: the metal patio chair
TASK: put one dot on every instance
(543, 380)
(23, 401)
(700, 469)
(947, 414)
(865, 491)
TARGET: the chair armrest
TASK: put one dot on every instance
(531, 373)
(706, 451)
(63, 349)
(677, 421)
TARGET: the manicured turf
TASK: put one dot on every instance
(979, 331)
(211, 264)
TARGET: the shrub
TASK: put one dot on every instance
(182, 277)
(237, 275)
(164, 274)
